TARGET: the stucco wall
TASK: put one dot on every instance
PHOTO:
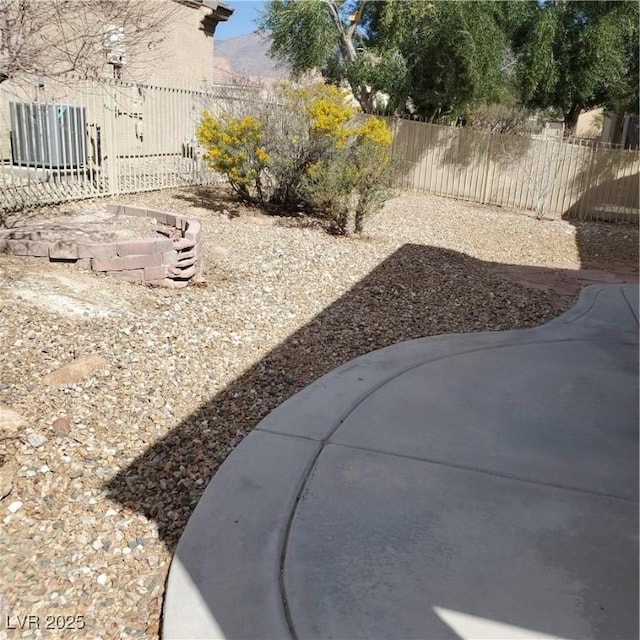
(183, 59)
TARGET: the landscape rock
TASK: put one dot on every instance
(62, 426)
(10, 421)
(15, 506)
(197, 368)
(74, 371)
(36, 439)
(7, 474)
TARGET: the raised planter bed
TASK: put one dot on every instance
(172, 258)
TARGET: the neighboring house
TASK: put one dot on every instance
(589, 124)
(613, 128)
(597, 126)
(623, 129)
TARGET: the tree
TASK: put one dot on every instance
(446, 56)
(60, 36)
(328, 35)
(458, 54)
(579, 55)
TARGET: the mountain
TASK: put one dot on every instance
(246, 57)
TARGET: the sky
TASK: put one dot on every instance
(243, 20)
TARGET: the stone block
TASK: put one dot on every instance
(37, 248)
(159, 216)
(174, 270)
(109, 264)
(193, 230)
(183, 244)
(185, 255)
(134, 211)
(115, 208)
(164, 244)
(136, 247)
(155, 273)
(186, 262)
(128, 274)
(162, 217)
(165, 231)
(170, 257)
(62, 250)
(75, 371)
(97, 250)
(183, 274)
(18, 247)
(141, 262)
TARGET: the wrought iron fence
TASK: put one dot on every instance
(84, 138)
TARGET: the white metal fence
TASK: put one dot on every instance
(82, 138)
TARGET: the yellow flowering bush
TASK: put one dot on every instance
(375, 131)
(310, 151)
(234, 147)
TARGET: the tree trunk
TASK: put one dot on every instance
(365, 97)
(571, 119)
(362, 94)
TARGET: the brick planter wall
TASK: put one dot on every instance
(172, 259)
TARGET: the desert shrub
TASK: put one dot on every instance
(308, 150)
(352, 182)
(234, 148)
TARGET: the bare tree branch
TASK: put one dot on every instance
(54, 37)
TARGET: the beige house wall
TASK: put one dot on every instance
(183, 59)
(140, 121)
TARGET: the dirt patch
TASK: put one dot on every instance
(565, 280)
(61, 289)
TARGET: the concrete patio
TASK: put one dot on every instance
(464, 486)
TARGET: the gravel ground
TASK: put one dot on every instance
(99, 498)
